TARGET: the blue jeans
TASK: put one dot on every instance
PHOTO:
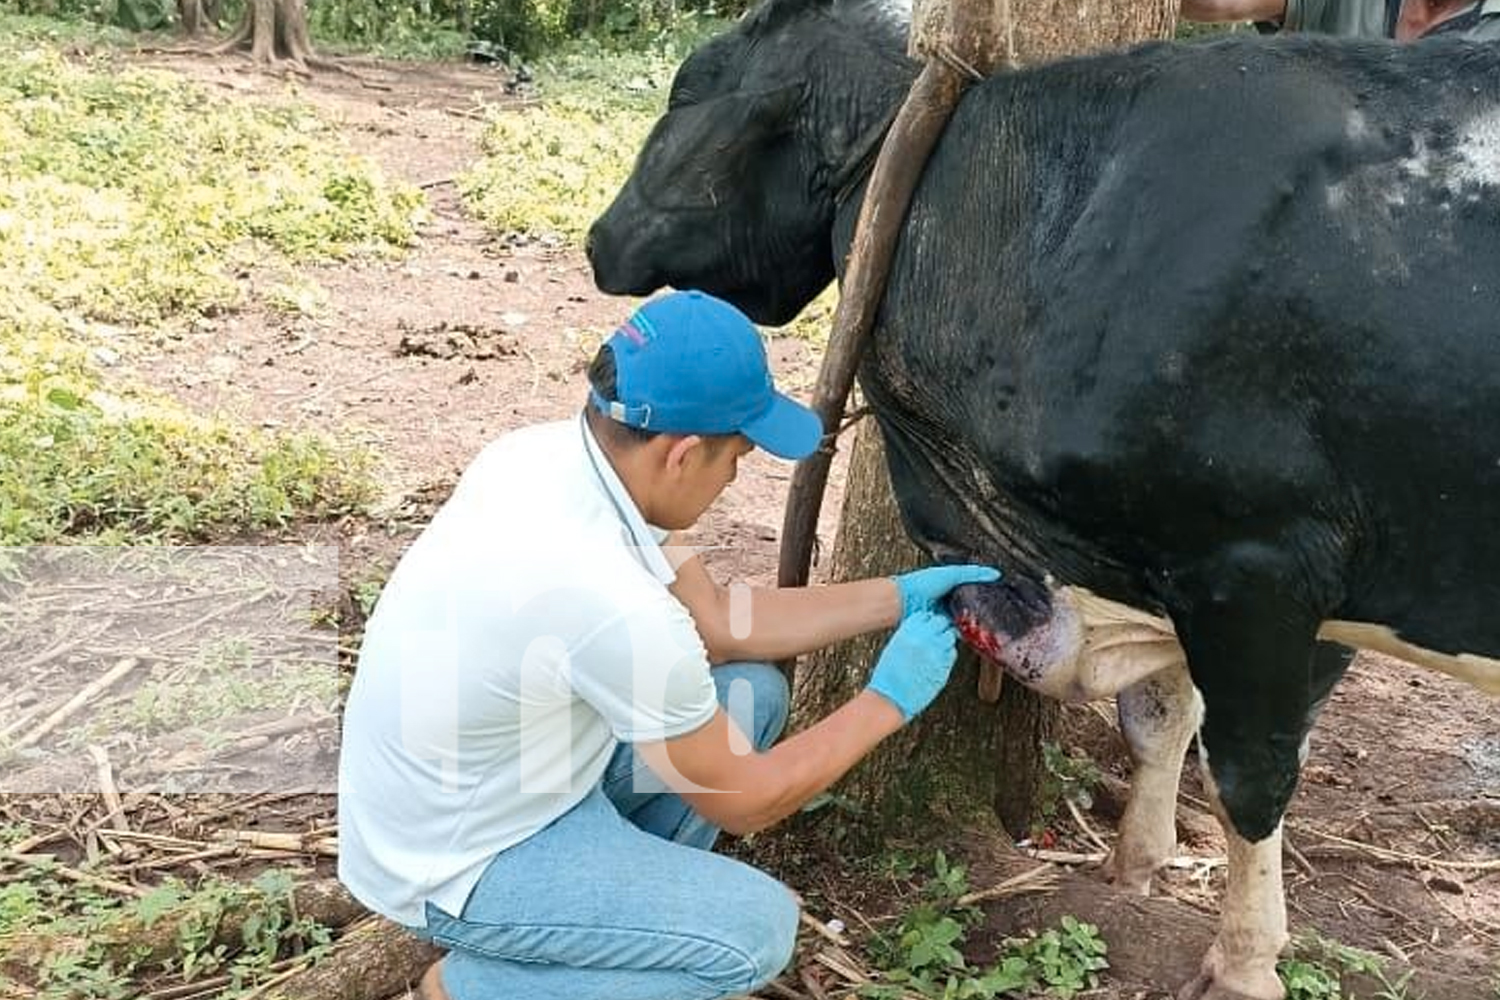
(620, 898)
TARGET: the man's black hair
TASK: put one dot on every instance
(602, 378)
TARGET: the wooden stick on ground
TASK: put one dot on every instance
(108, 790)
(822, 929)
(1038, 879)
(82, 698)
(73, 875)
(284, 842)
(1083, 824)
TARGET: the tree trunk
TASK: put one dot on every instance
(963, 754)
(275, 31)
(193, 18)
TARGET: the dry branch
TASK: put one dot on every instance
(107, 788)
(293, 842)
(74, 875)
(916, 128)
(962, 42)
(1042, 878)
(82, 698)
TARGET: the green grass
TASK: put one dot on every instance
(1317, 966)
(550, 169)
(17, 28)
(129, 202)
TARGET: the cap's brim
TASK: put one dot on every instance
(787, 429)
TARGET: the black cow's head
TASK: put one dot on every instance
(737, 187)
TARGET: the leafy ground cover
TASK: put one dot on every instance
(130, 202)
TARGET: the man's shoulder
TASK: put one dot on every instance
(548, 442)
(532, 468)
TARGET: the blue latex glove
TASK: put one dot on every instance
(916, 661)
(922, 589)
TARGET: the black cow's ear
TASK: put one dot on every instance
(776, 110)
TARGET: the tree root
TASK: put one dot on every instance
(374, 960)
(134, 940)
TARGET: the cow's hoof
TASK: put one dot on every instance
(1128, 878)
(1207, 985)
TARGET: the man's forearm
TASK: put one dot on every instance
(1233, 10)
(770, 623)
(811, 761)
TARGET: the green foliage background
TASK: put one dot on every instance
(423, 28)
(128, 199)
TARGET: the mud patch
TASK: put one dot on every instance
(456, 340)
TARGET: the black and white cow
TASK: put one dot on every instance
(1200, 343)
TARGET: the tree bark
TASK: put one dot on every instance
(275, 31)
(963, 753)
(193, 18)
(381, 959)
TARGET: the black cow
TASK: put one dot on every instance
(1201, 343)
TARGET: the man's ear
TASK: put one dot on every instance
(679, 450)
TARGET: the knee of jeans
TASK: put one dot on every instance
(780, 940)
(766, 937)
(757, 697)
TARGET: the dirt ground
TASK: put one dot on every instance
(1396, 828)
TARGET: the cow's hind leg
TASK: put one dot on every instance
(1159, 717)
(1251, 645)
(1253, 925)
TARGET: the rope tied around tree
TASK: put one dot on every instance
(961, 42)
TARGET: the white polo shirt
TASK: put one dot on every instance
(525, 633)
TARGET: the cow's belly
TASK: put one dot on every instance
(1093, 647)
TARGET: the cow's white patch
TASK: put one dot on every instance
(1356, 126)
(1480, 671)
(1478, 151)
(1338, 196)
(1114, 631)
(1419, 164)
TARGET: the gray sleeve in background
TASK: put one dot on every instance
(1354, 18)
(1488, 28)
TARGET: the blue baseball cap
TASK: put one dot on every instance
(688, 363)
